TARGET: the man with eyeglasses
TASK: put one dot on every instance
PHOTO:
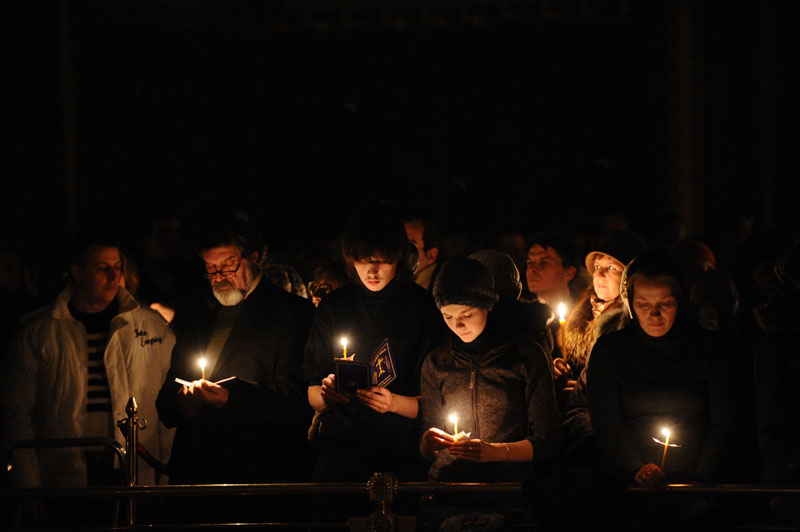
(251, 428)
(71, 369)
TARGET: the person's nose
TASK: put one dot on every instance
(656, 312)
(373, 268)
(214, 276)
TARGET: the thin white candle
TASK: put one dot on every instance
(454, 421)
(666, 432)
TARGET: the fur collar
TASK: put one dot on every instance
(583, 329)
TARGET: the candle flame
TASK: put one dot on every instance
(665, 431)
(562, 311)
(202, 362)
(343, 341)
(453, 418)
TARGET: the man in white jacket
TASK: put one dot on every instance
(71, 368)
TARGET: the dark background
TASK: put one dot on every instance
(485, 115)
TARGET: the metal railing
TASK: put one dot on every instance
(128, 457)
(381, 488)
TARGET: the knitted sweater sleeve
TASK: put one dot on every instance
(430, 401)
(544, 420)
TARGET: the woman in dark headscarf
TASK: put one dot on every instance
(660, 373)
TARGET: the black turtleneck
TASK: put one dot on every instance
(494, 333)
(402, 312)
(638, 384)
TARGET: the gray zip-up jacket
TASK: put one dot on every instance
(504, 395)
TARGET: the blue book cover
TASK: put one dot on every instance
(352, 375)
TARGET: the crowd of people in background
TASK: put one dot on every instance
(661, 367)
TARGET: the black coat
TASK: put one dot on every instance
(777, 378)
(260, 434)
(637, 384)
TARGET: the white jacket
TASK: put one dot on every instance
(44, 384)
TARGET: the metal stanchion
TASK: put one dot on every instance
(130, 427)
(381, 488)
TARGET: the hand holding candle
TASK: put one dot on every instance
(456, 435)
(666, 432)
(433, 441)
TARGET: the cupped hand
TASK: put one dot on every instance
(329, 393)
(437, 439)
(560, 367)
(213, 395)
(377, 398)
(474, 451)
(651, 477)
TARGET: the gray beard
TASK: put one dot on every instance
(228, 295)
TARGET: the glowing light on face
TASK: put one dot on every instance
(465, 321)
(375, 274)
(655, 306)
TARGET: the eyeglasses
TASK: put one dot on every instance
(224, 273)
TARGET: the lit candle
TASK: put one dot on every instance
(344, 347)
(562, 313)
(454, 421)
(665, 432)
(203, 368)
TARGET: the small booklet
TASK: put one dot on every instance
(352, 375)
(228, 382)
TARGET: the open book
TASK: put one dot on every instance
(352, 375)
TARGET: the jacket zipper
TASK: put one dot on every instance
(474, 389)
